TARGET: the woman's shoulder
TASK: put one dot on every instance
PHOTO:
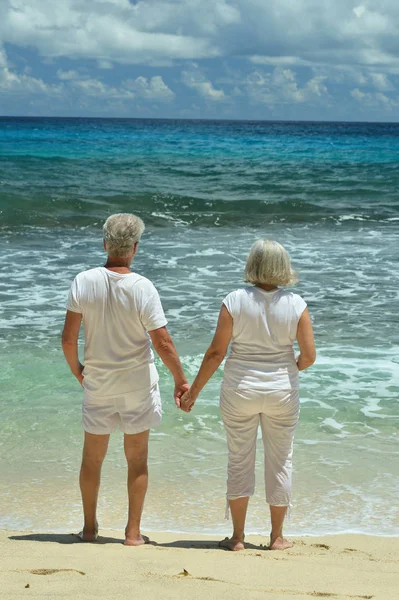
(235, 294)
(233, 301)
(288, 294)
(290, 298)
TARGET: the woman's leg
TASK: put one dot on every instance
(241, 432)
(238, 509)
(277, 540)
(278, 424)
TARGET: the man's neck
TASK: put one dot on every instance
(119, 265)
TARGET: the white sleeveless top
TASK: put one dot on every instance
(265, 326)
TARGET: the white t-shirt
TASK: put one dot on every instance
(117, 310)
(264, 330)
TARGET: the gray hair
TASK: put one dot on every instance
(121, 232)
(269, 263)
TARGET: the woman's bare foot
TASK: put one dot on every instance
(280, 543)
(136, 540)
(232, 544)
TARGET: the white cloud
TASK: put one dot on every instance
(158, 32)
(380, 81)
(358, 94)
(316, 86)
(99, 90)
(104, 64)
(79, 85)
(68, 75)
(281, 87)
(374, 100)
(195, 80)
(294, 52)
(151, 89)
(18, 84)
(102, 30)
(280, 61)
(359, 11)
(3, 59)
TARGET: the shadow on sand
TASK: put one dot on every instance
(63, 538)
(204, 545)
(72, 538)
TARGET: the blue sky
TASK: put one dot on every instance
(232, 59)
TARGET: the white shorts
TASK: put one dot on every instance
(134, 412)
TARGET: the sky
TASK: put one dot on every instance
(203, 59)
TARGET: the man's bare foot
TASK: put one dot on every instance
(232, 544)
(137, 540)
(88, 536)
(280, 543)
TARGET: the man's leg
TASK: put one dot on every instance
(94, 451)
(136, 452)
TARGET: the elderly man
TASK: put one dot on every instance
(122, 314)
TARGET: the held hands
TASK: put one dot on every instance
(180, 389)
(184, 398)
(187, 401)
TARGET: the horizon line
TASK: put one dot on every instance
(200, 120)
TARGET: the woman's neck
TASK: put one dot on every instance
(265, 286)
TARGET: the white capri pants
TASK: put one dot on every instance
(277, 411)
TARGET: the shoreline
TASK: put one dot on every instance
(341, 567)
(205, 534)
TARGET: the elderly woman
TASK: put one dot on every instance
(122, 314)
(260, 384)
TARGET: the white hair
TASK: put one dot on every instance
(121, 232)
(269, 263)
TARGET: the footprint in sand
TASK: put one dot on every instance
(322, 546)
(52, 571)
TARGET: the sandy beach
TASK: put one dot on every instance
(45, 565)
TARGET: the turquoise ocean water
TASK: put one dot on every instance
(206, 191)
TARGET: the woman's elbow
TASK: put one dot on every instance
(216, 354)
(308, 359)
(312, 356)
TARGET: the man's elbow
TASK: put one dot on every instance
(163, 346)
(67, 340)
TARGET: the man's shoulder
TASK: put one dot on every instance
(89, 274)
(141, 279)
(142, 283)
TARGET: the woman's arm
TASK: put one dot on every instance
(305, 339)
(212, 359)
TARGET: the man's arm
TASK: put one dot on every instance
(166, 350)
(70, 337)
